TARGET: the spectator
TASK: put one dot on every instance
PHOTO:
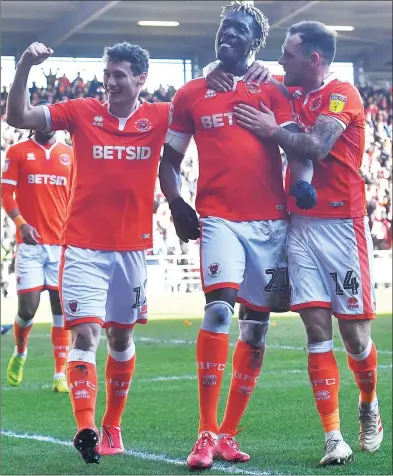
(50, 79)
(94, 87)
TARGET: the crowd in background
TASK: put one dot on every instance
(376, 167)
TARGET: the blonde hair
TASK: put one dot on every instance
(258, 16)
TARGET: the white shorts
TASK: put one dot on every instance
(106, 287)
(331, 265)
(37, 267)
(249, 256)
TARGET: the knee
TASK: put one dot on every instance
(26, 311)
(218, 316)
(119, 340)
(26, 314)
(355, 335)
(253, 333)
(86, 336)
(356, 344)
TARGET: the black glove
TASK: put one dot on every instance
(305, 194)
(185, 220)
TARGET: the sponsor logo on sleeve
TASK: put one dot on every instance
(337, 103)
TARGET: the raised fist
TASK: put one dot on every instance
(35, 54)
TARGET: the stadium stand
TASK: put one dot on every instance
(376, 168)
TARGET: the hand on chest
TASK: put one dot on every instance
(215, 110)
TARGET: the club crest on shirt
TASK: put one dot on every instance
(214, 270)
(143, 125)
(73, 307)
(253, 88)
(6, 165)
(316, 103)
(65, 159)
(337, 102)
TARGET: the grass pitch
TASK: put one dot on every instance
(282, 430)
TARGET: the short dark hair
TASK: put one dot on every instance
(133, 54)
(316, 35)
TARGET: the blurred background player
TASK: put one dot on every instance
(5, 328)
(36, 187)
(241, 201)
(330, 249)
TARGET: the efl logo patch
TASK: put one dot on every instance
(143, 125)
(6, 165)
(253, 88)
(316, 103)
(337, 103)
(65, 159)
(214, 270)
(73, 307)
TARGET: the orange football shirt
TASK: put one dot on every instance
(240, 176)
(41, 179)
(337, 180)
(111, 206)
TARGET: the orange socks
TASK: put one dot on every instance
(211, 354)
(22, 331)
(118, 379)
(83, 385)
(325, 382)
(246, 365)
(60, 343)
(364, 368)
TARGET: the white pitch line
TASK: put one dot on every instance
(153, 340)
(136, 454)
(272, 346)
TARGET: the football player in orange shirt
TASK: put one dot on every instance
(38, 172)
(330, 250)
(108, 227)
(243, 221)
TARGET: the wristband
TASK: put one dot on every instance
(19, 221)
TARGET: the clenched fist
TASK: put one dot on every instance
(35, 54)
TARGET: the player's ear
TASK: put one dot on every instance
(315, 59)
(255, 45)
(142, 78)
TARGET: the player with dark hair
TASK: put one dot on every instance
(36, 187)
(117, 147)
(330, 249)
(243, 226)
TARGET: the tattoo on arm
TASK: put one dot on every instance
(316, 145)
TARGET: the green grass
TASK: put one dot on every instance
(282, 429)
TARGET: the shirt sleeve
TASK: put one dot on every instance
(61, 116)
(10, 175)
(343, 103)
(281, 104)
(10, 179)
(180, 119)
